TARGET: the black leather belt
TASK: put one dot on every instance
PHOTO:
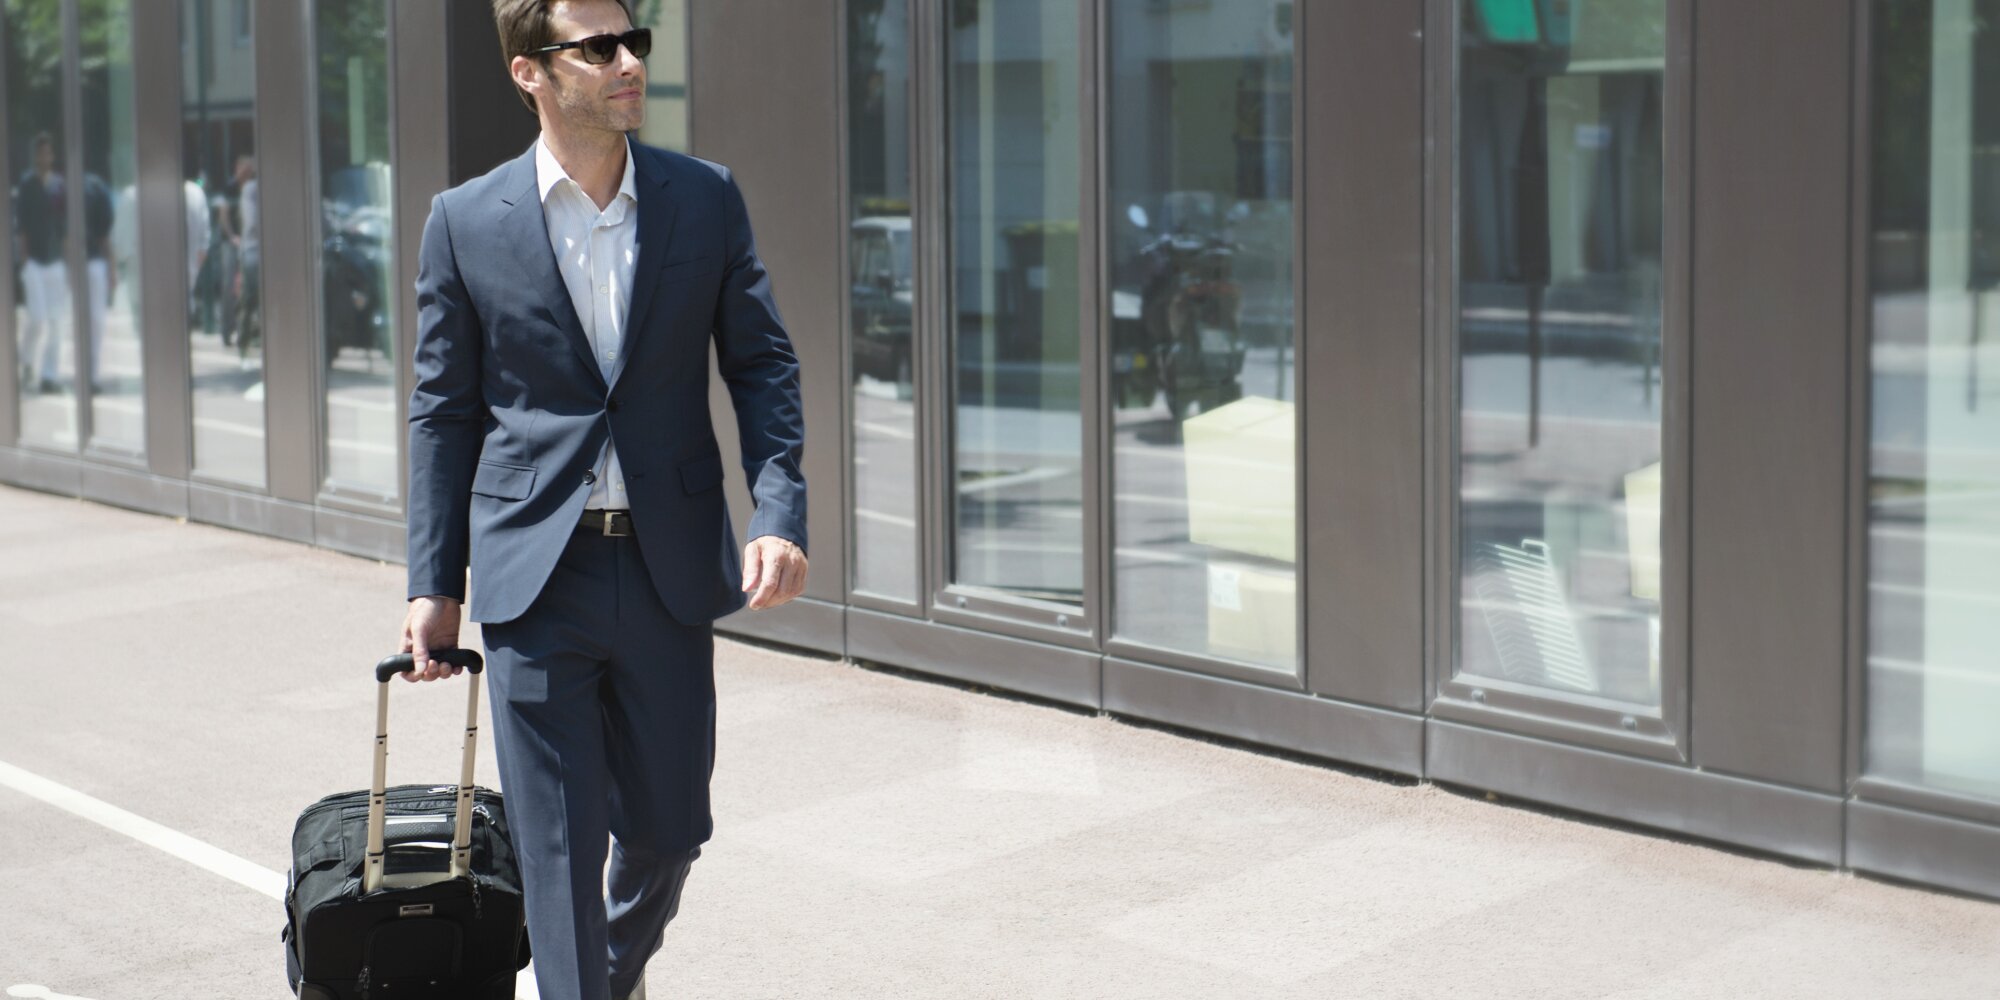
(612, 523)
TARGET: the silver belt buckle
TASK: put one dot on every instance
(617, 524)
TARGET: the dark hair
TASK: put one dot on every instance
(525, 26)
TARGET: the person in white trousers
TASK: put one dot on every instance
(39, 235)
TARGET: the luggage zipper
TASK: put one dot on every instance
(361, 984)
(475, 896)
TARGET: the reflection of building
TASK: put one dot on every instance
(219, 81)
(1546, 397)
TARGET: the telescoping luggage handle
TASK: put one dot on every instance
(461, 837)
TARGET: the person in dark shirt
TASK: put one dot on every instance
(38, 243)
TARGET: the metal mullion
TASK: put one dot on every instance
(76, 254)
(933, 396)
(402, 298)
(926, 211)
(1440, 382)
(1860, 337)
(1301, 401)
(10, 388)
(1676, 379)
(316, 417)
(1104, 473)
(843, 199)
(1093, 305)
(157, 73)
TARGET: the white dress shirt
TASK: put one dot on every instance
(595, 252)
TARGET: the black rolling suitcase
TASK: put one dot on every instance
(410, 891)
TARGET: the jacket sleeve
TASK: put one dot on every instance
(755, 358)
(447, 417)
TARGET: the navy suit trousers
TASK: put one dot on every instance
(604, 724)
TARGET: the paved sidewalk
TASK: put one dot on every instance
(877, 835)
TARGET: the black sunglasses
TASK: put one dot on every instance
(600, 49)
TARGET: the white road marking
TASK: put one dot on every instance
(39, 993)
(195, 852)
(199, 853)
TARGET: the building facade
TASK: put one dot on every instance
(1590, 401)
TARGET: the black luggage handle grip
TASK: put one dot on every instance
(404, 662)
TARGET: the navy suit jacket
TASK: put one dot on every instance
(510, 411)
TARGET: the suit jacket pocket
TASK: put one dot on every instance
(503, 482)
(702, 473)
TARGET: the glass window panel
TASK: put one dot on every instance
(1016, 421)
(881, 297)
(357, 233)
(225, 301)
(110, 163)
(44, 305)
(1559, 264)
(666, 73)
(1199, 225)
(1934, 466)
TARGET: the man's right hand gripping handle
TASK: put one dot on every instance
(432, 623)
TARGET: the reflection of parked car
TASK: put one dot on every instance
(355, 260)
(879, 262)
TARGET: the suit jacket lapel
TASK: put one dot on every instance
(656, 230)
(527, 238)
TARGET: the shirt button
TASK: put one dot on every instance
(610, 355)
(589, 478)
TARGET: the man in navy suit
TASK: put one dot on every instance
(560, 445)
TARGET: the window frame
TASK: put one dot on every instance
(1661, 732)
(330, 492)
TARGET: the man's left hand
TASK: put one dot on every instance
(774, 571)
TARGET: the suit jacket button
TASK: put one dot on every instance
(590, 479)
(611, 405)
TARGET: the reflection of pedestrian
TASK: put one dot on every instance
(249, 325)
(196, 210)
(99, 216)
(217, 297)
(40, 230)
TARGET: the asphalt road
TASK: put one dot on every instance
(877, 835)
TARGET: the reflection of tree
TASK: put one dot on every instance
(353, 49)
(34, 74)
(1902, 83)
(867, 166)
(1903, 33)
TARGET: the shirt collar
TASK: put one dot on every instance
(549, 173)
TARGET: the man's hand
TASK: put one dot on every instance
(774, 571)
(431, 624)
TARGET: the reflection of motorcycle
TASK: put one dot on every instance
(1189, 329)
(354, 265)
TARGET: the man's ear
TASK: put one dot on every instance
(528, 76)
